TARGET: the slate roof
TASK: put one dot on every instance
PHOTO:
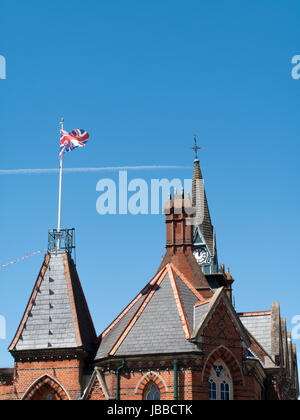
(199, 312)
(259, 325)
(189, 299)
(158, 321)
(57, 316)
(206, 226)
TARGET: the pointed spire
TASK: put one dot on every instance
(196, 176)
(57, 315)
(199, 201)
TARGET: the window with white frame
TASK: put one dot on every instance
(220, 382)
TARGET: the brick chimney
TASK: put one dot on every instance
(179, 241)
(179, 232)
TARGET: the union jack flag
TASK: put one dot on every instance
(72, 140)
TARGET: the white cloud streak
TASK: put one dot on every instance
(74, 170)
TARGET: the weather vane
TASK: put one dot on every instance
(196, 147)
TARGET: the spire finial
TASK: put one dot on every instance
(196, 147)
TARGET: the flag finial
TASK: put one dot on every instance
(196, 147)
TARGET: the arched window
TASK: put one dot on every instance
(212, 390)
(225, 391)
(49, 397)
(152, 392)
(220, 382)
(45, 388)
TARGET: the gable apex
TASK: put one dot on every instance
(219, 296)
(198, 240)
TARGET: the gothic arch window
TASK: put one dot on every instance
(45, 388)
(212, 390)
(151, 392)
(49, 397)
(220, 382)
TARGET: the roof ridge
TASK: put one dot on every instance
(258, 313)
(129, 306)
(72, 301)
(180, 307)
(204, 302)
(79, 285)
(138, 313)
(186, 282)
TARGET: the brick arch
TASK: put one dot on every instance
(43, 386)
(151, 377)
(231, 362)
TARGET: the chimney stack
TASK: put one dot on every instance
(179, 229)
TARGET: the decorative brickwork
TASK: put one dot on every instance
(149, 379)
(46, 388)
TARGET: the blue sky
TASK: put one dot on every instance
(142, 77)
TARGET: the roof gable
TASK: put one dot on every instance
(207, 314)
(96, 385)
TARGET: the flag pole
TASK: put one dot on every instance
(60, 190)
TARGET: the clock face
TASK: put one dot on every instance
(201, 256)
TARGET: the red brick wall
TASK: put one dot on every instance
(221, 340)
(133, 385)
(96, 392)
(191, 385)
(6, 392)
(65, 373)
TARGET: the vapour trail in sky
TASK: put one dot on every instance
(104, 169)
